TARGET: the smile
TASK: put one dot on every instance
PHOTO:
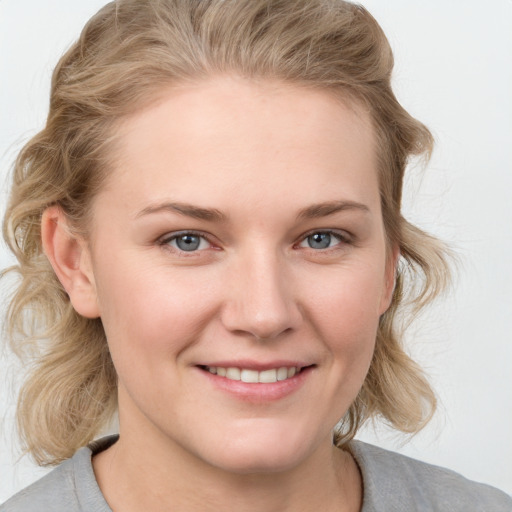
(254, 376)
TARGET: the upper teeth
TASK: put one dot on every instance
(254, 376)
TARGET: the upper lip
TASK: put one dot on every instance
(256, 365)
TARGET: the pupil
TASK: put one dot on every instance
(319, 240)
(188, 242)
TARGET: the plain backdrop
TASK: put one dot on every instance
(454, 72)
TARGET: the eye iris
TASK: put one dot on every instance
(188, 242)
(319, 240)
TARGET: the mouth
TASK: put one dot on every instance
(251, 376)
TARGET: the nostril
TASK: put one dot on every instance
(264, 309)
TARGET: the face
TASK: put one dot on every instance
(239, 266)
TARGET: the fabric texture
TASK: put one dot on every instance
(392, 483)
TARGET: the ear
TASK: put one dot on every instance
(390, 278)
(71, 261)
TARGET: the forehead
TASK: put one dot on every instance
(213, 139)
(206, 108)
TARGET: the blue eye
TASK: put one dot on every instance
(187, 242)
(321, 240)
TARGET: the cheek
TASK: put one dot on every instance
(345, 314)
(347, 300)
(153, 313)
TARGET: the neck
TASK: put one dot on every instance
(155, 474)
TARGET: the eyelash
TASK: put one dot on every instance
(342, 237)
(167, 239)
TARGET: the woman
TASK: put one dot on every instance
(209, 228)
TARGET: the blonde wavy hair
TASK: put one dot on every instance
(128, 52)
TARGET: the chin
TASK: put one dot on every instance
(253, 462)
(259, 454)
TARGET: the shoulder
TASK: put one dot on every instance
(55, 491)
(70, 487)
(399, 483)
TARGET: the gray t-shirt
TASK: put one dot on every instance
(392, 483)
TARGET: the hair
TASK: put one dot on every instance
(126, 54)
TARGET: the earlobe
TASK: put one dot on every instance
(71, 262)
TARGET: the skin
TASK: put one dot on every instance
(259, 155)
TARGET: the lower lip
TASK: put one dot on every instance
(259, 392)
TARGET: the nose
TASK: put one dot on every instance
(261, 298)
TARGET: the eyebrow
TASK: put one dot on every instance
(188, 210)
(213, 215)
(319, 210)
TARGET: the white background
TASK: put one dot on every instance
(454, 72)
